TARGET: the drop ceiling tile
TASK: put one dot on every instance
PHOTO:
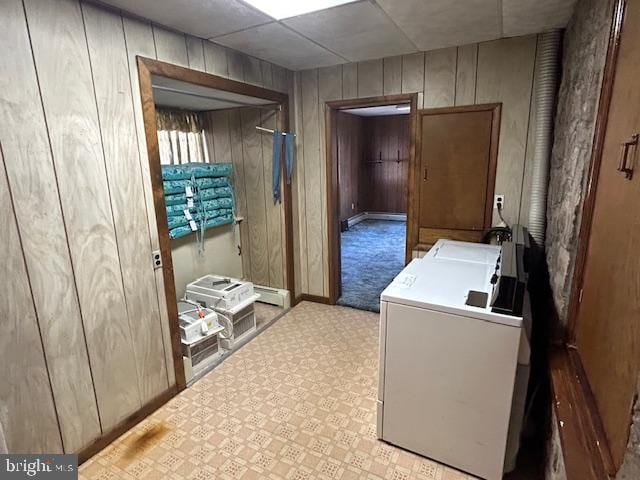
(203, 18)
(444, 23)
(522, 17)
(357, 31)
(277, 44)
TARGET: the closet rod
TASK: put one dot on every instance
(268, 130)
(210, 97)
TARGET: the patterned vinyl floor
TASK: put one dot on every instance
(296, 403)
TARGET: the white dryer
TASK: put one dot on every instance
(448, 369)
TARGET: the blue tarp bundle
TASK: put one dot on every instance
(201, 192)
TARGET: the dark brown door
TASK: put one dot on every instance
(457, 170)
(608, 321)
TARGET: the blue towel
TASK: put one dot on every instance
(276, 167)
(289, 154)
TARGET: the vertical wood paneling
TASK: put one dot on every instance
(392, 71)
(350, 80)
(273, 219)
(139, 38)
(267, 75)
(235, 65)
(466, 74)
(281, 83)
(195, 53)
(239, 183)
(370, 78)
(108, 56)
(440, 78)
(70, 109)
(299, 179)
(217, 128)
(215, 59)
(252, 70)
(30, 172)
(27, 411)
(413, 73)
(505, 73)
(254, 192)
(501, 72)
(329, 88)
(171, 47)
(314, 200)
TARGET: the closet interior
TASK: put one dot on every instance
(222, 159)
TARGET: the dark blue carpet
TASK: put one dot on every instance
(372, 255)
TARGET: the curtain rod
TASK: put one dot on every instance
(210, 97)
(268, 130)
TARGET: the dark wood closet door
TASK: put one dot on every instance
(608, 321)
(455, 169)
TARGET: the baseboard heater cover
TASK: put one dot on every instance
(398, 217)
(273, 296)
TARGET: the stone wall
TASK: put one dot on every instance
(585, 48)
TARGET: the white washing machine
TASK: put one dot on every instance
(448, 369)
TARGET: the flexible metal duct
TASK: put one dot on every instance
(545, 96)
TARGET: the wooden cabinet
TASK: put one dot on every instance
(457, 151)
(607, 327)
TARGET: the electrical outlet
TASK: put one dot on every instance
(498, 199)
(353, 206)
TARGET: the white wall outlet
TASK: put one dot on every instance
(498, 200)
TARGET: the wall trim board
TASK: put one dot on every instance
(333, 210)
(146, 68)
(584, 445)
(127, 424)
(413, 227)
(594, 168)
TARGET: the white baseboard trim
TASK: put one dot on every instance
(398, 217)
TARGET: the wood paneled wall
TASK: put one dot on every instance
(85, 339)
(497, 71)
(385, 167)
(233, 137)
(349, 136)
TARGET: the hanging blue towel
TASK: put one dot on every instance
(289, 154)
(276, 167)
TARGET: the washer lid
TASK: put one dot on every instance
(465, 251)
(444, 285)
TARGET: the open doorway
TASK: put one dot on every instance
(224, 229)
(371, 150)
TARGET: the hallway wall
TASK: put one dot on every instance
(496, 71)
(350, 144)
(385, 169)
(85, 339)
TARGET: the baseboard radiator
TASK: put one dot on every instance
(398, 217)
(273, 296)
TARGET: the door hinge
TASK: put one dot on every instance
(156, 259)
(580, 296)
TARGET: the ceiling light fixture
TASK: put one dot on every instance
(280, 9)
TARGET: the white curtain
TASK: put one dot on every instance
(181, 138)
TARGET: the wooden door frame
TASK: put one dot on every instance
(146, 68)
(588, 446)
(597, 148)
(333, 214)
(496, 110)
